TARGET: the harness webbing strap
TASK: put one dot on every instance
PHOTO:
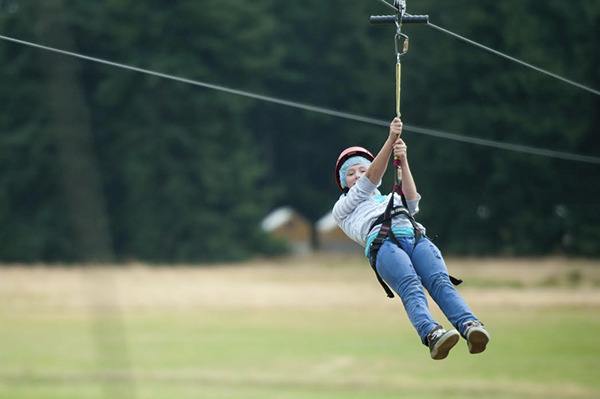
(384, 231)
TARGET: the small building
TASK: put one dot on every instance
(288, 225)
(332, 238)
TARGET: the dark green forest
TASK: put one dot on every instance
(102, 164)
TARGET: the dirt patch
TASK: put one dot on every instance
(315, 282)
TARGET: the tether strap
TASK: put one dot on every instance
(386, 231)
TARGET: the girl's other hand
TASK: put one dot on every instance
(400, 149)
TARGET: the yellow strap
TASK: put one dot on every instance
(398, 79)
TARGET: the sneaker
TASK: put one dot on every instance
(477, 337)
(441, 341)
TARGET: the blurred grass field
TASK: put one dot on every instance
(315, 327)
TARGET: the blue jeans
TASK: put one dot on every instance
(410, 268)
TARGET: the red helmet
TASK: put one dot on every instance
(348, 153)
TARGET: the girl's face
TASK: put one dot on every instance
(354, 173)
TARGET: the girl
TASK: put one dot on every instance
(402, 256)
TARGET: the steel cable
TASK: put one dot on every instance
(326, 111)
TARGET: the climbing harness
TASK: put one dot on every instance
(401, 43)
(385, 232)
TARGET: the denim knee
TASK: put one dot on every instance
(408, 286)
(438, 282)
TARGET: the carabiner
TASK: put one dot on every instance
(400, 38)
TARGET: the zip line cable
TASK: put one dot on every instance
(518, 61)
(506, 56)
(506, 146)
(326, 111)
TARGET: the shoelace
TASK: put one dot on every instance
(436, 334)
(472, 323)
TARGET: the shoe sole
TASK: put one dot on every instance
(446, 342)
(477, 340)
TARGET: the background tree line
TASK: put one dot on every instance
(98, 163)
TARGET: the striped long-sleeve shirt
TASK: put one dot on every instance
(356, 211)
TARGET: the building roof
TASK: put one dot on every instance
(326, 223)
(277, 218)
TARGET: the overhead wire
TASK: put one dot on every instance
(506, 56)
(518, 61)
(321, 110)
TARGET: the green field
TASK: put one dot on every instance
(308, 329)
